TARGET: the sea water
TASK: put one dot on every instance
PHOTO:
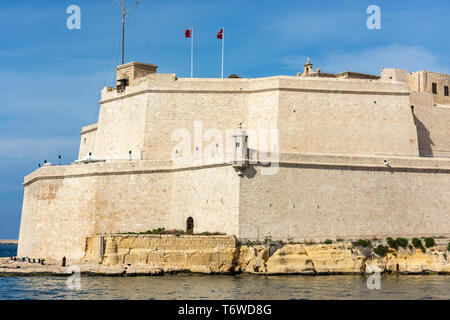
(240, 287)
(8, 250)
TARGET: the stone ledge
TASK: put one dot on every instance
(357, 162)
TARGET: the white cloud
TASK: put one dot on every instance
(410, 58)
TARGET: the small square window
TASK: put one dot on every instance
(434, 88)
(446, 91)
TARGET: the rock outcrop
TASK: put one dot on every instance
(131, 256)
(291, 259)
(338, 258)
(414, 262)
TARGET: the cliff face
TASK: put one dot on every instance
(339, 258)
(173, 257)
(345, 259)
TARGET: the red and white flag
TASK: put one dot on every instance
(220, 34)
(189, 33)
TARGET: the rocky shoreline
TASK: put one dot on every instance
(9, 242)
(323, 259)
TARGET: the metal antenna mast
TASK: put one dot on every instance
(125, 12)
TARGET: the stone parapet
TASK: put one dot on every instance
(121, 167)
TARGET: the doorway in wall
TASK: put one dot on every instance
(190, 225)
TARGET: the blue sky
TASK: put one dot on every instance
(52, 76)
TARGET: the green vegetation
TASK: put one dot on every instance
(362, 243)
(429, 242)
(328, 241)
(448, 247)
(252, 243)
(339, 240)
(401, 242)
(154, 231)
(381, 250)
(417, 243)
(268, 239)
(391, 242)
(210, 234)
(161, 231)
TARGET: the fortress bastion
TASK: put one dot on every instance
(300, 158)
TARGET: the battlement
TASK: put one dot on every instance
(128, 73)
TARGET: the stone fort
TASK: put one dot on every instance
(353, 156)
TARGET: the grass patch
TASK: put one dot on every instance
(328, 241)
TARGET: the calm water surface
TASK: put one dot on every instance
(8, 250)
(225, 287)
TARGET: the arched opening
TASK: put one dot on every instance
(190, 225)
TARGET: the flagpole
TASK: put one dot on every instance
(223, 45)
(123, 31)
(192, 53)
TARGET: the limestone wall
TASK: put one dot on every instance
(433, 125)
(312, 114)
(87, 141)
(422, 81)
(57, 215)
(320, 197)
(168, 112)
(65, 204)
(210, 196)
(311, 197)
(346, 116)
(168, 253)
(121, 128)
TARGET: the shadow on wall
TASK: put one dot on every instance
(250, 172)
(423, 135)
